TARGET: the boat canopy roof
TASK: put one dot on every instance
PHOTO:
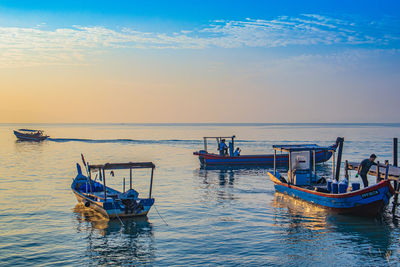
(300, 147)
(29, 130)
(129, 165)
(206, 137)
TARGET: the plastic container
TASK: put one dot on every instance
(329, 185)
(335, 187)
(343, 187)
(355, 186)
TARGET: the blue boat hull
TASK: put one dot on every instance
(369, 201)
(112, 209)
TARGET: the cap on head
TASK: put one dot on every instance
(373, 156)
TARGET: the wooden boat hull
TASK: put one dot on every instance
(29, 137)
(112, 209)
(370, 201)
(208, 159)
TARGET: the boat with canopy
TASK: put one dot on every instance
(30, 135)
(106, 200)
(228, 157)
(303, 182)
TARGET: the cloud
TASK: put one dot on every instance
(37, 46)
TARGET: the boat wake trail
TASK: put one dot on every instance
(124, 141)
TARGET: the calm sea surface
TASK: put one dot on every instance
(214, 217)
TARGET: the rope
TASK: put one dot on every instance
(160, 215)
(117, 214)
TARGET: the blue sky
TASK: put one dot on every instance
(263, 51)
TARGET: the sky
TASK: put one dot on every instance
(199, 61)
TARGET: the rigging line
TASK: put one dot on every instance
(160, 215)
(117, 215)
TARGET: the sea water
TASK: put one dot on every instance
(228, 216)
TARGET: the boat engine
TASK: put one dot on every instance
(131, 206)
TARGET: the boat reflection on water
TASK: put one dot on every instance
(222, 183)
(114, 242)
(300, 213)
(307, 223)
(217, 184)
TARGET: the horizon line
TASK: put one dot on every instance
(208, 123)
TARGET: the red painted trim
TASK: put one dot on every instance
(345, 195)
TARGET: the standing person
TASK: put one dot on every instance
(364, 167)
(223, 148)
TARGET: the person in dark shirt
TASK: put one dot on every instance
(364, 167)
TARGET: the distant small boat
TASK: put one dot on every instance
(302, 182)
(30, 135)
(106, 200)
(229, 158)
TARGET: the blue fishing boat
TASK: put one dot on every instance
(230, 158)
(110, 202)
(30, 135)
(304, 183)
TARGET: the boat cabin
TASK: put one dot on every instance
(301, 162)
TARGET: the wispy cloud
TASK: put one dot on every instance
(36, 46)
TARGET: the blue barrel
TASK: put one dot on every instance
(329, 185)
(355, 186)
(343, 187)
(335, 187)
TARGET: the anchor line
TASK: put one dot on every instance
(117, 215)
(160, 215)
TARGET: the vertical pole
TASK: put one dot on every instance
(387, 169)
(124, 186)
(104, 183)
(377, 172)
(346, 170)
(395, 152)
(313, 152)
(205, 144)
(233, 143)
(290, 167)
(396, 183)
(130, 177)
(151, 182)
(333, 164)
(339, 159)
(274, 162)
